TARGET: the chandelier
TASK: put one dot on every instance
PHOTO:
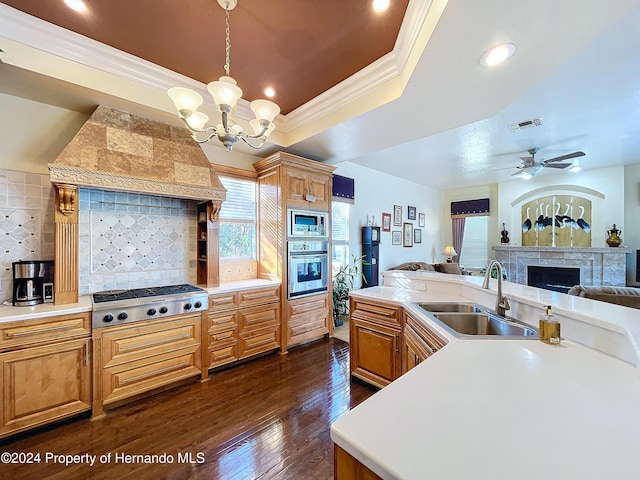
(225, 93)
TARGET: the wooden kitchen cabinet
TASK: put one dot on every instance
(208, 244)
(132, 359)
(309, 318)
(307, 189)
(46, 372)
(375, 347)
(241, 324)
(287, 181)
(420, 342)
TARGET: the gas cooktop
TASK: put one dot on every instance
(115, 295)
(115, 307)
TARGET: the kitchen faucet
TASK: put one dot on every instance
(502, 303)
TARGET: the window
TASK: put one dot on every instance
(238, 220)
(339, 234)
(475, 242)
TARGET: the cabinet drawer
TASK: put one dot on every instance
(249, 298)
(222, 323)
(308, 319)
(45, 330)
(378, 312)
(259, 341)
(223, 301)
(251, 319)
(222, 355)
(134, 342)
(126, 380)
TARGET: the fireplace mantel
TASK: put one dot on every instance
(598, 266)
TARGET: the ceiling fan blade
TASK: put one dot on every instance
(564, 157)
(527, 159)
(519, 172)
(558, 165)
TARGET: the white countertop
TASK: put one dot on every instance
(498, 409)
(12, 314)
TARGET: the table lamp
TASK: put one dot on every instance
(449, 252)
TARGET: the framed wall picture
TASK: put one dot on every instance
(397, 215)
(407, 237)
(421, 219)
(411, 213)
(386, 222)
(396, 237)
(417, 235)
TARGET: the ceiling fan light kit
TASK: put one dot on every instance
(225, 93)
(530, 166)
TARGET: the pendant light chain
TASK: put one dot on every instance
(227, 66)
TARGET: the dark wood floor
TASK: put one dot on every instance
(266, 419)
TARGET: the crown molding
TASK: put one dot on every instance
(45, 37)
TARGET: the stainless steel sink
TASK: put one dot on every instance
(484, 324)
(450, 307)
(468, 320)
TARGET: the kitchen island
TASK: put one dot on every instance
(503, 409)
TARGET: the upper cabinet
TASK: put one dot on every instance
(307, 189)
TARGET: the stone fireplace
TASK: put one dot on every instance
(597, 266)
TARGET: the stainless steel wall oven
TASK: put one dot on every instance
(309, 270)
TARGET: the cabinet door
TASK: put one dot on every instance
(375, 352)
(308, 319)
(415, 349)
(43, 384)
(319, 187)
(296, 187)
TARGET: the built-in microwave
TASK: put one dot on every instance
(306, 223)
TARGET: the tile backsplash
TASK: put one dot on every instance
(130, 240)
(26, 222)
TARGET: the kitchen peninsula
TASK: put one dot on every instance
(502, 408)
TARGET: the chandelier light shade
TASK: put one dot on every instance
(225, 93)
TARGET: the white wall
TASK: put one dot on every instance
(607, 199)
(377, 192)
(34, 134)
(631, 230)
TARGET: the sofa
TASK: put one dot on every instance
(453, 268)
(625, 296)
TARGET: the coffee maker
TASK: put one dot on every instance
(32, 282)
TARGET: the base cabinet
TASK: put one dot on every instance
(308, 319)
(386, 341)
(241, 324)
(345, 467)
(375, 347)
(44, 380)
(133, 359)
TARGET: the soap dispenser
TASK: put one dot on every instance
(549, 327)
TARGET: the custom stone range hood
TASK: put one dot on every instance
(116, 150)
(119, 151)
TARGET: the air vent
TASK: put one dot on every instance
(532, 122)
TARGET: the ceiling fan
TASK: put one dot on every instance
(530, 166)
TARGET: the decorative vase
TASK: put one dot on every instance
(614, 239)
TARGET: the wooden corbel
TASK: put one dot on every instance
(215, 210)
(67, 198)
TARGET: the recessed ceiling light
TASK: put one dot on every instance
(269, 92)
(77, 5)
(380, 5)
(498, 54)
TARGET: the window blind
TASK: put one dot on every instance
(241, 200)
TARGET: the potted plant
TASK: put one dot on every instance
(343, 279)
